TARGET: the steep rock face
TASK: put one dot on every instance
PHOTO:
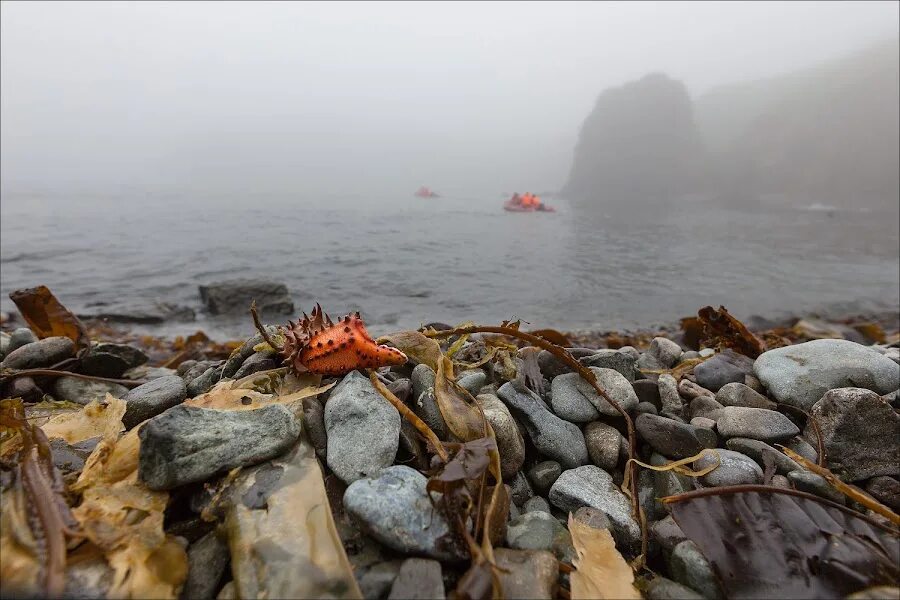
(639, 140)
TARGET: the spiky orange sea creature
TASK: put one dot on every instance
(315, 344)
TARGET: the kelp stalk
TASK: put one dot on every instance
(588, 376)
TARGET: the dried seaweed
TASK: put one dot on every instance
(768, 542)
(47, 317)
(512, 330)
(724, 331)
(36, 502)
(600, 570)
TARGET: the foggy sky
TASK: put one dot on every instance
(470, 98)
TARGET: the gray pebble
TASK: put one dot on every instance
(815, 484)
(543, 475)
(152, 398)
(43, 353)
(671, 438)
(755, 423)
(756, 449)
(738, 394)
(83, 391)
(689, 567)
(734, 469)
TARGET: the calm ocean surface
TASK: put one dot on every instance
(404, 261)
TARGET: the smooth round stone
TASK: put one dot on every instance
(703, 422)
(395, 509)
(83, 391)
(756, 450)
(604, 444)
(734, 469)
(645, 408)
(705, 406)
(543, 475)
(575, 400)
(666, 589)
(738, 394)
(42, 353)
(800, 375)
(723, 368)
(755, 423)
(510, 443)
(19, 337)
(671, 438)
(536, 504)
(811, 483)
(538, 531)
(689, 567)
(472, 381)
(647, 391)
(152, 398)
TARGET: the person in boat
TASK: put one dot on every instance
(516, 199)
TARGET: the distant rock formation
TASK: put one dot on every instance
(640, 140)
(827, 134)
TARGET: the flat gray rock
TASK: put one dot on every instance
(187, 444)
(604, 443)
(394, 508)
(800, 375)
(592, 486)
(539, 530)
(152, 398)
(543, 475)
(616, 360)
(363, 429)
(83, 391)
(235, 295)
(689, 567)
(734, 469)
(672, 438)
(738, 394)
(42, 353)
(553, 437)
(756, 449)
(860, 432)
(815, 484)
(755, 423)
(723, 368)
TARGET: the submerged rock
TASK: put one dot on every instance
(235, 295)
(186, 444)
(363, 429)
(800, 375)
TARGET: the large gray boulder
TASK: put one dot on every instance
(800, 375)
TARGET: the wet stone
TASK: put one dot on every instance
(671, 438)
(734, 469)
(261, 361)
(616, 360)
(666, 533)
(527, 574)
(859, 432)
(238, 357)
(520, 489)
(539, 530)
(689, 389)
(314, 422)
(543, 475)
(363, 429)
(800, 375)
(738, 394)
(536, 504)
(723, 368)
(186, 444)
(689, 567)
(803, 448)
(756, 450)
(811, 483)
(510, 443)
(703, 422)
(19, 337)
(552, 367)
(557, 439)
(418, 579)
(575, 400)
(152, 398)
(592, 486)
(395, 509)
(204, 382)
(472, 381)
(83, 391)
(43, 353)
(705, 407)
(755, 423)
(208, 558)
(604, 444)
(645, 408)
(426, 408)
(886, 490)
(422, 379)
(666, 589)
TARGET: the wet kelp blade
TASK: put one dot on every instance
(723, 330)
(416, 346)
(47, 317)
(600, 570)
(765, 542)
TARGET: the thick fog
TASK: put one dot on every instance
(469, 98)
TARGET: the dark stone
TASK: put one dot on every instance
(208, 559)
(152, 398)
(671, 438)
(886, 490)
(234, 297)
(418, 579)
(186, 444)
(543, 475)
(43, 353)
(261, 361)
(647, 391)
(204, 382)
(723, 368)
(314, 421)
